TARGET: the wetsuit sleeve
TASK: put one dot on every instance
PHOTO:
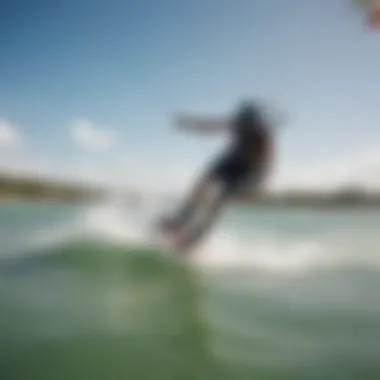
(206, 125)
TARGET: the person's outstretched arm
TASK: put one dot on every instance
(201, 124)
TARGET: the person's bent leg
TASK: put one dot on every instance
(191, 236)
(197, 196)
(191, 205)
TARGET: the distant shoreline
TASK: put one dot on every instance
(13, 190)
(267, 204)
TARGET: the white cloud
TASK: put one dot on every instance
(23, 164)
(88, 136)
(133, 171)
(15, 157)
(151, 173)
(362, 169)
(9, 137)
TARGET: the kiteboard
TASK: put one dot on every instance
(165, 239)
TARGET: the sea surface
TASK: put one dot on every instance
(272, 294)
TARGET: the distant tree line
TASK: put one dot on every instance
(52, 190)
(346, 196)
(43, 189)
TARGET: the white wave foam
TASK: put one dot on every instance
(110, 222)
(288, 255)
(225, 250)
(264, 253)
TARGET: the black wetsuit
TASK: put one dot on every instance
(237, 166)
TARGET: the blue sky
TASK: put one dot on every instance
(126, 66)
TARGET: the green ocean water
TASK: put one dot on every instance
(274, 294)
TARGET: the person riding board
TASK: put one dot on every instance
(240, 170)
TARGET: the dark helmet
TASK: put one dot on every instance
(248, 112)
